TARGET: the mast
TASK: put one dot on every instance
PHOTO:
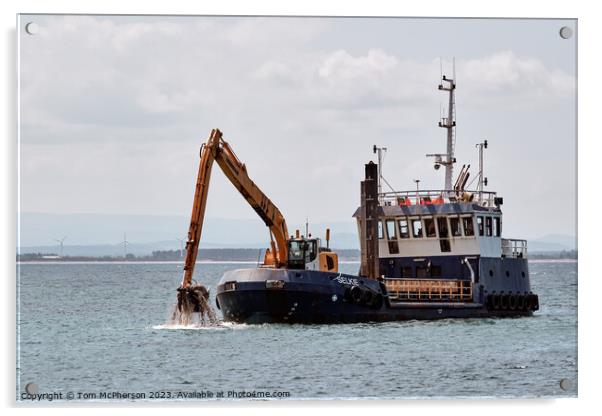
(482, 178)
(448, 122)
(380, 151)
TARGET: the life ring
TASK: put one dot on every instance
(495, 301)
(504, 302)
(489, 302)
(347, 294)
(356, 294)
(520, 303)
(528, 302)
(378, 301)
(535, 303)
(368, 297)
(512, 302)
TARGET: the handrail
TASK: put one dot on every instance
(429, 290)
(437, 196)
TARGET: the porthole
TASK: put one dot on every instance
(490, 272)
(507, 273)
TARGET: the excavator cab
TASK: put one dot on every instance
(301, 252)
(308, 254)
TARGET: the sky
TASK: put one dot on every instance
(113, 111)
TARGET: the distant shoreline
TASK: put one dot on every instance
(245, 255)
(98, 261)
(237, 255)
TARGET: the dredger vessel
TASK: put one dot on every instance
(425, 254)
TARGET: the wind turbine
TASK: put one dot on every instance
(125, 246)
(181, 240)
(60, 241)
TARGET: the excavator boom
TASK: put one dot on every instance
(216, 149)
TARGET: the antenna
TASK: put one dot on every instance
(61, 241)
(306, 227)
(380, 151)
(417, 189)
(448, 122)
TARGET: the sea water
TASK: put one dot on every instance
(100, 332)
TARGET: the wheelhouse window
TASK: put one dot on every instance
(417, 228)
(444, 245)
(442, 225)
(468, 225)
(380, 230)
(390, 229)
(429, 225)
(497, 226)
(391, 238)
(404, 230)
(480, 226)
(454, 225)
(488, 226)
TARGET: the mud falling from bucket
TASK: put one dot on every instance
(193, 302)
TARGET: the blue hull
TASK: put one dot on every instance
(303, 296)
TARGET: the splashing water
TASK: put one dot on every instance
(193, 302)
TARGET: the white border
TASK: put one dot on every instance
(589, 151)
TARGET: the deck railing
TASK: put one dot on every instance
(438, 196)
(442, 290)
(514, 248)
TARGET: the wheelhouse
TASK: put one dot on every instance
(439, 234)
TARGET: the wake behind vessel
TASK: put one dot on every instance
(425, 254)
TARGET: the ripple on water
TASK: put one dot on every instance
(201, 327)
(124, 342)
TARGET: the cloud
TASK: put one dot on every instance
(115, 109)
(506, 73)
(102, 71)
(341, 66)
(281, 33)
(278, 72)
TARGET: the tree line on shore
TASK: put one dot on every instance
(211, 254)
(232, 254)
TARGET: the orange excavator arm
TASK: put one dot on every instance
(216, 149)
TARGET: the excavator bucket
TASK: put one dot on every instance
(193, 300)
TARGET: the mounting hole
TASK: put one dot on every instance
(507, 273)
(566, 32)
(32, 28)
(490, 272)
(566, 384)
(31, 388)
(522, 274)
